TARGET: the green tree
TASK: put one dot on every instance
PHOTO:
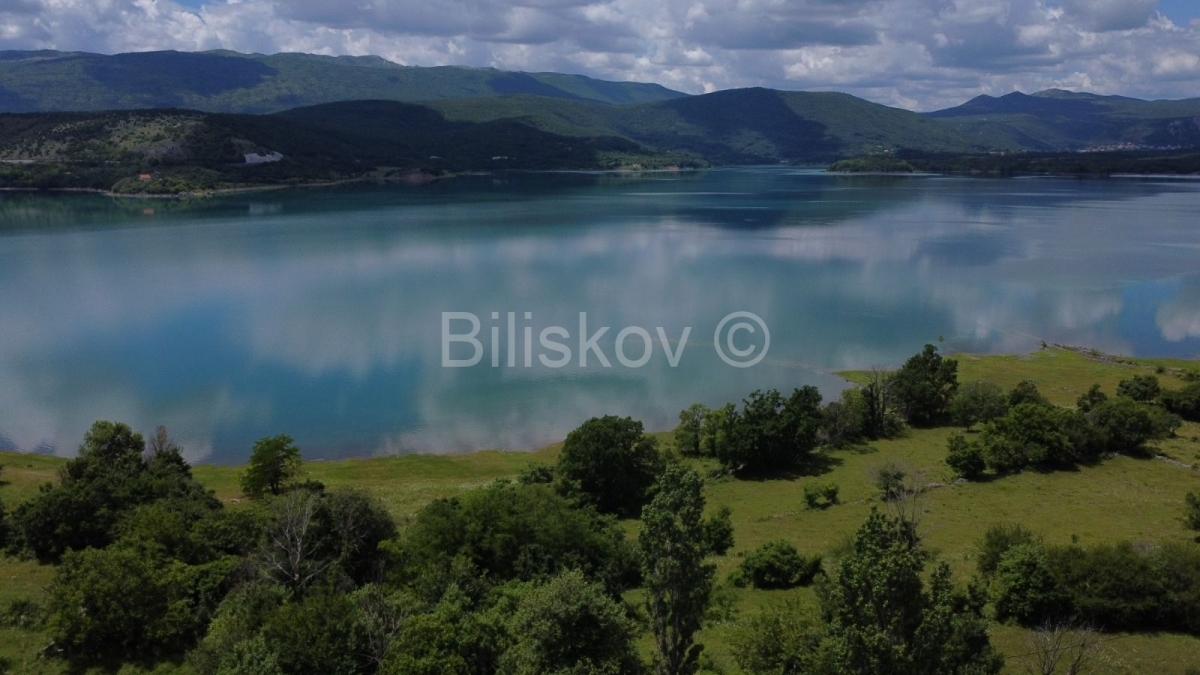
(843, 422)
(772, 433)
(783, 639)
(1126, 424)
(274, 462)
(882, 620)
(678, 580)
(689, 432)
(718, 531)
(924, 387)
(1191, 511)
(1030, 434)
(1026, 392)
(1091, 399)
(976, 403)
(717, 431)
(1184, 402)
(1141, 388)
(569, 626)
(613, 462)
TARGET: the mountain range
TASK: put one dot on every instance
(330, 117)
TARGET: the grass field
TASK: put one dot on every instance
(1122, 499)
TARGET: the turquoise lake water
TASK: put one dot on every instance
(319, 312)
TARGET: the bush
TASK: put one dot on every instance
(924, 387)
(718, 531)
(976, 403)
(965, 457)
(1030, 434)
(843, 422)
(820, 495)
(1126, 424)
(521, 532)
(1191, 511)
(570, 625)
(891, 479)
(1023, 587)
(997, 540)
(777, 564)
(1091, 399)
(1141, 388)
(1025, 392)
(1184, 402)
(612, 462)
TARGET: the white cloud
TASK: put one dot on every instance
(914, 53)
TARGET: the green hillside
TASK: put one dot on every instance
(224, 81)
(1063, 120)
(1123, 498)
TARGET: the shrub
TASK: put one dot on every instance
(1025, 392)
(1184, 402)
(1023, 587)
(976, 403)
(777, 564)
(820, 495)
(1126, 424)
(718, 531)
(997, 540)
(965, 457)
(1030, 434)
(843, 422)
(1141, 388)
(891, 480)
(1091, 399)
(1191, 511)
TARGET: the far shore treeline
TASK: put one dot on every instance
(605, 561)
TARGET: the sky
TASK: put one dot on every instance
(915, 54)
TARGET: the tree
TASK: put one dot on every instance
(1191, 511)
(1126, 424)
(1030, 434)
(1059, 642)
(718, 531)
(689, 432)
(924, 387)
(1141, 388)
(1184, 402)
(843, 422)
(1091, 399)
(717, 431)
(274, 462)
(879, 420)
(295, 553)
(781, 640)
(976, 403)
(612, 462)
(883, 620)
(1026, 392)
(678, 580)
(771, 433)
(111, 477)
(570, 626)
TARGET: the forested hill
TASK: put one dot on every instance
(224, 81)
(1064, 120)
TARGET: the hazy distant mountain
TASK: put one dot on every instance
(223, 81)
(1064, 120)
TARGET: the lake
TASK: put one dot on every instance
(319, 312)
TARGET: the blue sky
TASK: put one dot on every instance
(917, 54)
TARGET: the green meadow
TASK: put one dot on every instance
(1121, 499)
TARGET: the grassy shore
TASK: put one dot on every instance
(1122, 499)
